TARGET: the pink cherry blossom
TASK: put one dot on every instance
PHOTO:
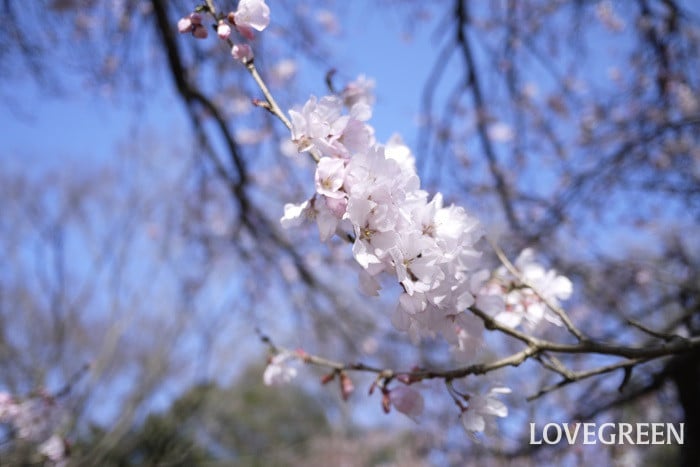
(192, 24)
(314, 209)
(280, 369)
(223, 30)
(330, 175)
(9, 408)
(407, 401)
(473, 418)
(200, 32)
(184, 25)
(321, 124)
(295, 214)
(55, 450)
(522, 304)
(251, 14)
(427, 247)
(359, 91)
(242, 52)
(35, 420)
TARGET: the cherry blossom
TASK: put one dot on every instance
(193, 24)
(316, 208)
(520, 303)
(374, 190)
(283, 71)
(370, 193)
(407, 400)
(280, 370)
(251, 14)
(321, 124)
(223, 30)
(473, 417)
(358, 91)
(55, 451)
(330, 176)
(242, 52)
(35, 420)
(8, 408)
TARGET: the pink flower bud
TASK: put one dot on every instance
(246, 31)
(328, 378)
(184, 25)
(200, 32)
(386, 402)
(242, 52)
(346, 386)
(196, 18)
(223, 30)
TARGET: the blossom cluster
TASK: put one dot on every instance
(250, 16)
(512, 302)
(372, 191)
(34, 420)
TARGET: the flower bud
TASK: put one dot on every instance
(386, 402)
(223, 30)
(242, 52)
(184, 25)
(328, 378)
(200, 32)
(346, 386)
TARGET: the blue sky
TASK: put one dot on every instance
(83, 126)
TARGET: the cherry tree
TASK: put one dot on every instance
(369, 194)
(527, 283)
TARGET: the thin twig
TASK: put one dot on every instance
(578, 376)
(659, 335)
(272, 105)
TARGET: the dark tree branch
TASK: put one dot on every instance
(473, 83)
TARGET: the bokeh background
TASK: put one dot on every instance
(141, 191)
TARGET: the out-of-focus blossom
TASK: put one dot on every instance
(328, 22)
(283, 71)
(280, 370)
(408, 401)
(55, 451)
(223, 30)
(482, 407)
(192, 24)
(242, 52)
(8, 408)
(511, 302)
(606, 15)
(500, 132)
(251, 14)
(35, 419)
(359, 91)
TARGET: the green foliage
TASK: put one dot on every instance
(247, 424)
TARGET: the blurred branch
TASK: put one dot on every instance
(191, 94)
(535, 347)
(474, 84)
